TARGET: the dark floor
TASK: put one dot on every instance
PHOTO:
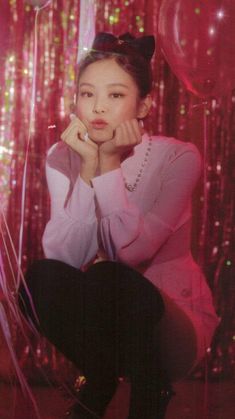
(193, 400)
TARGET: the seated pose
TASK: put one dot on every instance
(119, 293)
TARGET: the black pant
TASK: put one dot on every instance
(103, 321)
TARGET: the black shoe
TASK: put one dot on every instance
(152, 407)
(163, 399)
(79, 411)
(91, 401)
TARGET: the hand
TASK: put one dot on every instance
(127, 135)
(75, 136)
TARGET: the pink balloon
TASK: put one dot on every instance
(37, 3)
(197, 38)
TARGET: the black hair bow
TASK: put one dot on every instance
(125, 44)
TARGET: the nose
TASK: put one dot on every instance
(99, 107)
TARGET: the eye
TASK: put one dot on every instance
(86, 94)
(117, 95)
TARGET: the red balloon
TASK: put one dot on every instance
(197, 38)
(37, 3)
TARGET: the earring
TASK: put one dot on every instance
(141, 123)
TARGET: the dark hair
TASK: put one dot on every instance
(130, 58)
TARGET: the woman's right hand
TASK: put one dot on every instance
(75, 136)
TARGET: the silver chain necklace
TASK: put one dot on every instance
(129, 186)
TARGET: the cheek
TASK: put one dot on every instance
(128, 112)
(81, 111)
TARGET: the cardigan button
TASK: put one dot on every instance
(186, 292)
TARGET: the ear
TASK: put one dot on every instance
(144, 106)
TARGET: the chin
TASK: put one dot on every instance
(100, 136)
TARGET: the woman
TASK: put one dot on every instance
(119, 293)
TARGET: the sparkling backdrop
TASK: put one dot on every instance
(175, 112)
(57, 29)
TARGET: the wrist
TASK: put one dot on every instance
(88, 171)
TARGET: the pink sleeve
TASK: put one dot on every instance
(131, 236)
(71, 233)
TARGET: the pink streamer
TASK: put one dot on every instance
(7, 334)
(31, 131)
(86, 26)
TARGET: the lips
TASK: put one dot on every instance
(98, 123)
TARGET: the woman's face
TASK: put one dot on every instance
(107, 96)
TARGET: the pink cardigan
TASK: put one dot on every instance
(148, 229)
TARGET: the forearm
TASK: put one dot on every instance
(70, 235)
(69, 241)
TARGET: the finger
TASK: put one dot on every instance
(123, 135)
(70, 126)
(132, 132)
(69, 131)
(138, 130)
(76, 127)
(128, 133)
(120, 135)
(82, 130)
(74, 120)
(77, 122)
(72, 133)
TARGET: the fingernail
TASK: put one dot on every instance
(72, 116)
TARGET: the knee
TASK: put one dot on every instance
(41, 269)
(33, 275)
(32, 288)
(40, 273)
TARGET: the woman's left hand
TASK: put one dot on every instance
(127, 135)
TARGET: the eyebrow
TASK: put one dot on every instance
(118, 85)
(109, 85)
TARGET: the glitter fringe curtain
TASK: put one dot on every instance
(57, 36)
(175, 112)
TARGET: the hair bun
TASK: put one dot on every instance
(125, 44)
